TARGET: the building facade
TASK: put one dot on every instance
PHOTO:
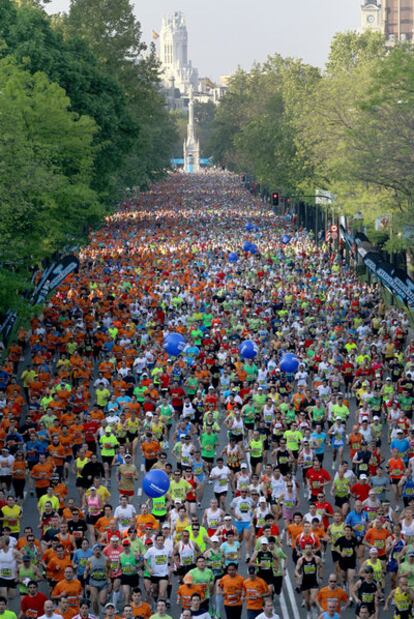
(178, 71)
(371, 16)
(398, 19)
(393, 18)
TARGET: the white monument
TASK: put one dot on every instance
(174, 54)
(191, 144)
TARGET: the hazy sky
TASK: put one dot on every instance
(223, 34)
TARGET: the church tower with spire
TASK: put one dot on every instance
(191, 144)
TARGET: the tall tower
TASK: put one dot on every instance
(371, 16)
(174, 53)
(398, 18)
(191, 144)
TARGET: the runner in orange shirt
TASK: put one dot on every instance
(57, 565)
(186, 590)
(255, 590)
(140, 608)
(332, 592)
(396, 469)
(41, 474)
(232, 587)
(378, 537)
(151, 449)
(69, 587)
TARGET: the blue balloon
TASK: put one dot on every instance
(289, 363)
(248, 349)
(233, 257)
(156, 483)
(253, 248)
(249, 227)
(285, 239)
(174, 344)
(246, 246)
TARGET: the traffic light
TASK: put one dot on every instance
(275, 199)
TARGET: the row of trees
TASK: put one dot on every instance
(81, 119)
(349, 129)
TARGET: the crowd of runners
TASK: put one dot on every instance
(270, 473)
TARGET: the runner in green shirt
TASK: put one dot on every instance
(203, 576)
(108, 443)
(161, 611)
(208, 441)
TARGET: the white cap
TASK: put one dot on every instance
(264, 540)
(363, 476)
(214, 538)
(262, 499)
(243, 465)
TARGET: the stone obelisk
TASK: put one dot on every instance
(191, 144)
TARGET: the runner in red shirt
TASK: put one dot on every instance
(316, 477)
(32, 604)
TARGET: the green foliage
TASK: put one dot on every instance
(358, 125)
(204, 114)
(111, 30)
(254, 129)
(349, 130)
(46, 159)
(81, 118)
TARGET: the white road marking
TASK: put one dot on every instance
(292, 597)
(283, 606)
(139, 493)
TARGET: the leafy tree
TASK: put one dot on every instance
(254, 128)
(46, 164)
(28, 34)
(112, 31)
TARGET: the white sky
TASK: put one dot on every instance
(224, 34)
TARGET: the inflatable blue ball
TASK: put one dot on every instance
(233, 257)
(253, 248)
(289, 363)
(248, 349)
(156, 483)
(249, 227)
(246, 246)
(285, 239)
(174, 344)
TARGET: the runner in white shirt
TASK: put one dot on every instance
(268, 611)
(124, 514)
(49, 611)
(157, 561)
(241, 509)
(220, 475)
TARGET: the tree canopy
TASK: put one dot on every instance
(348, 129)
(81, 118)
